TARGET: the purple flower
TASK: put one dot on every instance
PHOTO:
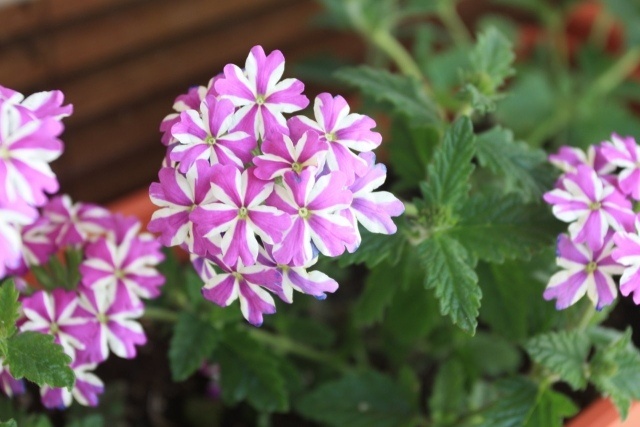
(585, 271)
(39, 105)
(9, 385)
(178, 195)
(187, 101)
(118, 330)
(75, 223)
(55, 313)
(126, 259)
(591, 206)
(625, 153)
(85, 390)
(569, 158)
(627, 253)
(246, 284)
(282, 154)
(262, 98)
(240, 214)
(207, 135)
(27, 146)
(343, 131)
(313, 207)
(12, 218)
(372, 209)
(314, 283)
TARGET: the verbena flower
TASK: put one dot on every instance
(591, 206)
(260, 94)
(372, 209)
(85, 390)
(12, 219)
(9, 385)
(627, 253)
(585, 271)
(569, 158)
(282, 153)
(313, 206)
(623, 152)
(244, 283)
(75, 223)
(240, 214)
(207, 134)
(187, 101)
(39, 105)
(342, 131)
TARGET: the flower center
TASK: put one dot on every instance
(210, 140)
(591, 267)
(243, 212)
(283, 267)
(330, 136)
(237, 275)
(54, 328)
(297, 167)
(260, 99)
(102, 318)
(594, 206)
(119, 274)
(4, 153)
(304, 213)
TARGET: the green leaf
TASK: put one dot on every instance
(522, 404)
(564, 353)
(192, 342)
(380, 288)
(451, 168)
(614, 370)
(490, 64)
(376, 248)
(495, 228)
(366, 399)
(95, 420)
(450, 272)
(404, 93)
(249, 372)
(9, 310)
(37, 420)
(9, 423)
(36, 357)
(519, 166)
(448, 398)
(410, 151)
(490, 355)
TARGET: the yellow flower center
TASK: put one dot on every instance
(304, 213)
(591, 267)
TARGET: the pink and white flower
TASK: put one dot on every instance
(343, 132)
(282, 154)
(627, 253)
(260, 94)
(624, 152)
(585, 272)
(187, 101)
(313, 206)
(240, 214)
(569, 158)
(12, 219)
(372, 209)
(85, 390)
(591, 206)
(75, 223)
(9, 385)
(207, 134)
(40, 105)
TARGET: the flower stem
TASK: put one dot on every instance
(160, 314)
(449, 16)
(284, 344)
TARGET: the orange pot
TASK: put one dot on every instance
(602, 413)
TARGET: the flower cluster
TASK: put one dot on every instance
(595, 195)
(95, 313)
(255, 197)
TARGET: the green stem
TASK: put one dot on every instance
(585, 317)
(388, 44)
(286, 345)
(451, 19)
(160, 314)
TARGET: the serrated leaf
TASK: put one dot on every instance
(249, 372)
(37, 358)
(376, 248)
(366, 399)
(496, 228)
(564, 353)
(517, 164)
(522, 404)
(406, 94)
(450, 272)
(614, 370)
(9, 309)
(192, 342)
(451, 168)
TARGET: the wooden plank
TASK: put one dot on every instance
(19, 18)
(142, 76)
(92, 42)
(22, 65)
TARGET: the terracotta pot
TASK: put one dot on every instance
(602, 413)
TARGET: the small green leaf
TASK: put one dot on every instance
(9, 423)
(495, 228)
(451, 168)
(450, 272)
(380, 287)
(490, 355)
(192, 342)
(376, 248)
(411, 150)
(564, 353)
(522, 170)
(9, 309)
(614, 369)
(448, 398)
(248, 371)
(366, 399)
(404, 93)
(36, 357)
